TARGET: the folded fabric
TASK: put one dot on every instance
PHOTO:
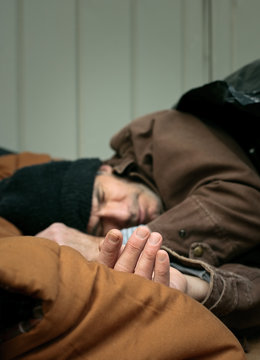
(92, 312)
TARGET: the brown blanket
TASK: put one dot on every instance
(92, 312)
(87, 311)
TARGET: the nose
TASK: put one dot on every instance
(115, 213)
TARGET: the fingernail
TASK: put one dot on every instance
(154, 238)
(142, 232)
(114, 238)
(162, 256)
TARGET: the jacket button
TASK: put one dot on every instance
(182, 233)
(198, 251)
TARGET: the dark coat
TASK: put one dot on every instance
(211, 195)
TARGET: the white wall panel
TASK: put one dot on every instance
(104, 72)
(168, 51)
(48, 70)
(194, 38)
(235, 35)
(157, 54)
(222, 38)
(247, 31)
(9, 128)
(72, 72)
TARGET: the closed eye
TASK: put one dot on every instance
(100, 196)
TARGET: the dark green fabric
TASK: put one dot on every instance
(5, 151)
(59, 191)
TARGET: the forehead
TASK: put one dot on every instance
(108, 181)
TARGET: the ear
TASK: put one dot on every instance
(106, 169)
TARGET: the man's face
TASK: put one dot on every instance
(118, 203)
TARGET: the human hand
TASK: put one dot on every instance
(87, 245)
(142, 256)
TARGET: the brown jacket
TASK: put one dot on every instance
(92, 312)
(211, 194)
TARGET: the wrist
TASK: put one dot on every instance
(196, 287)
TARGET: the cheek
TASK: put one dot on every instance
(121, 191)
(152, 204)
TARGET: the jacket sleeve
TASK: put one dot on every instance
(210, 190)
(235, 296)
(94, 312)
(234, 291)
(211, 194)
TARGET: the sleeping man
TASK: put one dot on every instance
(188, 181)
(185, 180)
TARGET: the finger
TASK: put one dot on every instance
(132, 251)
(178, 280)
(44, 233)
(110, 248)
(121, 250)
(101, 244)
(162, 268)
(146, 262)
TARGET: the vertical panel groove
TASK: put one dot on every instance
(133, 55)
(20, 75)
(77, 81)
(183, 45)
(210, 40)
(207, 58)
(233, 33)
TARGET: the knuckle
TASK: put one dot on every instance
(133, 247)
(55, 232)
(143, 274)
(122, 268)
(107, 259)
(162, 272)
(136, 244)
(149, 254)
(145, 268)
(57, 227)
(107, 250)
